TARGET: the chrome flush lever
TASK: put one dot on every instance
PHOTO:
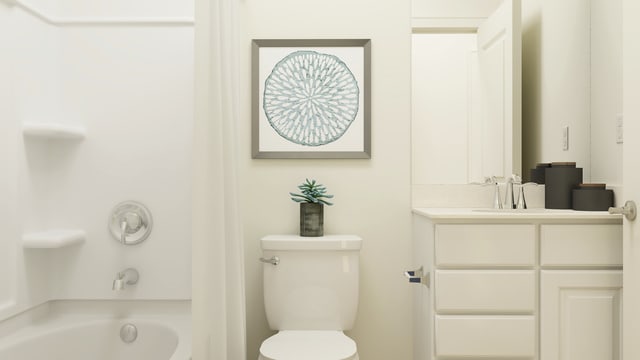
(418, 276)
(273, 261)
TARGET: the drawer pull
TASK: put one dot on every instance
(418, 276)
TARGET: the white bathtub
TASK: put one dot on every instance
(90, 330)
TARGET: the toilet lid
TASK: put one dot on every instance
(308, 345)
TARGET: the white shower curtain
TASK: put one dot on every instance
(218, 268)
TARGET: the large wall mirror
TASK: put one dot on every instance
(571, 77)
(466, 96)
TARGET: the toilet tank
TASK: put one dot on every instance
(315, 284)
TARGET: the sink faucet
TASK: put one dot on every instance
(509, 199)
(128, 276)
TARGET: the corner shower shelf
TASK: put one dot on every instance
(53, 131)
(53, 239)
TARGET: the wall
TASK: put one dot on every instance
(28, 90)
(8, 174)
(451, 13)
(572, 76)
(131, 87)
(372, 197)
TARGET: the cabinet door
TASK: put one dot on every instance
(580, 315)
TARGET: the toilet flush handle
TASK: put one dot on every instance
(273, 261)
(418, 276)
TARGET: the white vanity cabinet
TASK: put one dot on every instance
(527, 285)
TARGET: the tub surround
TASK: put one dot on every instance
(526, 284)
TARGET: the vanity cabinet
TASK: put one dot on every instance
(517, 286)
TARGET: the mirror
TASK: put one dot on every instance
(572, 78)
(466, 109)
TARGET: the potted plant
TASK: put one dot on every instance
(312, 200)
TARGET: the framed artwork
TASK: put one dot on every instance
(311, 99)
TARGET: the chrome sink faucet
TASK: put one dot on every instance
(494, 181)
(509, 199)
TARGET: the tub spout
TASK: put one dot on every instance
(128, 276)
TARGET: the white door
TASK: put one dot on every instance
(631, 176)
(500, 71)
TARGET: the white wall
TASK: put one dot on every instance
(132, 89)
(8, 173)
(30, 74)
(451, 13)
(372, 197)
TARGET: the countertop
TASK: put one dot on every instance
(493, 215)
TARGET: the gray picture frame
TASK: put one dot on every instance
(260, 67)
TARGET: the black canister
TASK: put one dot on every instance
(560, 179)
(537, 174)
(592, 197)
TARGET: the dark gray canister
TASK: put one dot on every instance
(537, 175)
(592, 197)
(560, 179)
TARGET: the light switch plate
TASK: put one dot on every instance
(619, 129)
(565, 137)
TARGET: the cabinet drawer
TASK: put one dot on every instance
(581, 245)
(485, 245)
(489, 291)
(485, 336)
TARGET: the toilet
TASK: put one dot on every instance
(310, 296)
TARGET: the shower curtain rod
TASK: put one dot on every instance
(58, 21)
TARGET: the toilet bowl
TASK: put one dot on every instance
(310, 296)
(309, 345)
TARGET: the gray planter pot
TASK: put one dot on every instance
(311, 219)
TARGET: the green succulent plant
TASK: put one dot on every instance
(312, 192)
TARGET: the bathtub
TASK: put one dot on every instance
(83, 330)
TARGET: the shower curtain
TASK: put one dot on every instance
(218, 268)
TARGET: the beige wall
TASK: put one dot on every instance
(372, 197)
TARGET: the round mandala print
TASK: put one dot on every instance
(311, 98)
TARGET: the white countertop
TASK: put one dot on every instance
(515, 214)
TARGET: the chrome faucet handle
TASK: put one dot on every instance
(495, 182)
(123, 231)
(497, 201)
(487, 180)
(522, 202)
(509, 200)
